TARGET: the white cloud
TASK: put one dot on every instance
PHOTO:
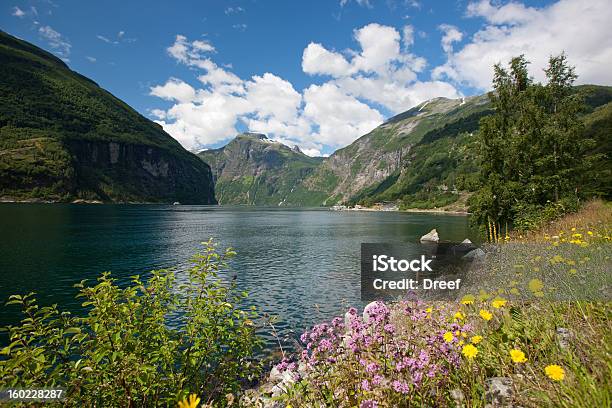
(233, 10)
(106, 40)
(273, 96)
(240, 27)
(379, 46)
(451, 35)
(209, 120)
(174, 90)
(408, 35)
(56, 41)
(323, 116)
(119, 38)
(317, 60)
(17, 12)
(381, 72)
(313, 152)
(208, 115)
(510, 13)
(362, 3)
(339, 117)
(91, 59)
(189, 52)
(158, 113)
(580, 28)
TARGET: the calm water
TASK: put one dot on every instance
(301, 265)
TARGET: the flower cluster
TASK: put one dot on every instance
(384, 354)
(409, 352)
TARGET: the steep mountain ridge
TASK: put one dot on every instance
(62, 137)
(252, 169)
(384, 151)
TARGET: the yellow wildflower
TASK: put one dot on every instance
(476, 339)
(555, 372)
(573, 271)
(517, 356)
(590, 233)
(191, 402)
(459, 316)
(428, 310)
(467, 299)
(535, 285)
(461, 342)
(457, 332)
(469, 351)
(499, 302)
(485, 314)
(448, 337)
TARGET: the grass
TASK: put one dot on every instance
(594, 215)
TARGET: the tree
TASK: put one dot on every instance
(533, 152)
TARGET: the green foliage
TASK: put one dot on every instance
(443, 160)
(56, 130)
(532, 149)
(598, 127)
(424, 200)
(532, 216)
(128, 350)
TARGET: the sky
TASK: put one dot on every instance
(316, 74)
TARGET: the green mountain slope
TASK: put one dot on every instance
(378, 160)
(444, 162)
(252, 169)
(62, 137)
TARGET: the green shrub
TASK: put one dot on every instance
(128, 349)
(532, 216)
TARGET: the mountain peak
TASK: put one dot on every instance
(259, 136)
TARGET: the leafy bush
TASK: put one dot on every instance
(424, 200)
(128, 350)
(532, 216)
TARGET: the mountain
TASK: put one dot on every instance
(377, 160)
(442, 165)
(62, 138)
(253, 169)
(425, 157)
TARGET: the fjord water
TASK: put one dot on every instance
(301, 265)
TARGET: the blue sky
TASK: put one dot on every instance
(317, 74)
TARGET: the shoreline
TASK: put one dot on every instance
(409, 210)
(6, 200)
